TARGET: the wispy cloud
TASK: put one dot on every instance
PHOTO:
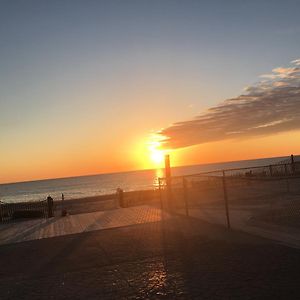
(270, 106)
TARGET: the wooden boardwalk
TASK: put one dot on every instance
(58, 226)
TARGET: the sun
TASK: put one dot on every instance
(157, 156)
(156, 153)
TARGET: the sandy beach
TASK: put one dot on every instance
(106, 202)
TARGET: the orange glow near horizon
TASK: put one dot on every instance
(138, 152)
(281, 144)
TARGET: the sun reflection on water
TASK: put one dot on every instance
(159, 173)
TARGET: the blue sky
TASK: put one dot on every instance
(73, 66)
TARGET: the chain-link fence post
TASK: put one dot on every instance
(293, 164)
(226, 199)
(287, 178)
(271, 170)
(160, 195)
(168, 182)
(185, 196)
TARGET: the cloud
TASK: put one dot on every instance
(296, 62)
(270, 106)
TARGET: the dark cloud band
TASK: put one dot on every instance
(270, 106)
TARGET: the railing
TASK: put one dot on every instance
(11, 211)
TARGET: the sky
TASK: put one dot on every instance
(84, 85)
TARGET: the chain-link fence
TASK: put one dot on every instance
(238, 197)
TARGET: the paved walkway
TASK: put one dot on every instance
(58, 226)
(176, 258)
(239, 219)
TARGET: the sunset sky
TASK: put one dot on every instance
(86, 85)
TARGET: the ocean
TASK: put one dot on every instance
(94, 185)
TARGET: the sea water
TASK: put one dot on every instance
(94, 185)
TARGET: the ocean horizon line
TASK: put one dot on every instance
(141, 170)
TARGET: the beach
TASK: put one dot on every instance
(149, 150)
(133, 246)
(143, 245)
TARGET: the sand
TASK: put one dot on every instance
(106, 202)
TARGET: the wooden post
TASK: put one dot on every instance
(50, 206)
(185, 196)
(168, 181)
(226, 200)
(63, 210)
(120, 196)
(1, 213)
(293, 163)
